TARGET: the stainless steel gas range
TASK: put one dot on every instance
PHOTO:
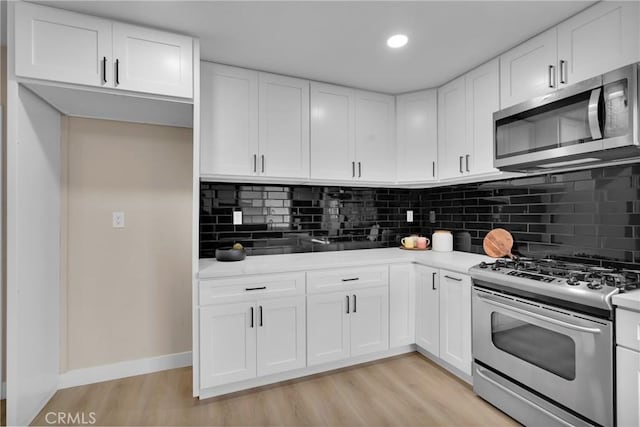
(543, 339)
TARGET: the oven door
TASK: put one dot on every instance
(566, 357)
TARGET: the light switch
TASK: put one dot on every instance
(117, 219)
(409, 216)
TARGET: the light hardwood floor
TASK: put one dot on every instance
(407, 390)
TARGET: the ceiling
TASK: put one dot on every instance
(344, 42)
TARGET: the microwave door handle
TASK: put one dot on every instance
(593, 110)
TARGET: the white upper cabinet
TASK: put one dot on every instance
(53, 44)
(152, 61)
(253, 124)
(284, 126)
(417, 136)
(452, 129)
(600, 39)
(529, 69)
(332, 132)
(229, 124)
(375, 137)
(482, 100)
(62, 46)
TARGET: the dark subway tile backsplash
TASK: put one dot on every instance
(589, 215)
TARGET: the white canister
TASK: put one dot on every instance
(442, 241)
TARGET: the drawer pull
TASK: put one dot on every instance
(351, 280)
(453, 278)
(261, 288)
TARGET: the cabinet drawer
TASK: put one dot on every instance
(244, 288)
(628, 328)
(346, 279)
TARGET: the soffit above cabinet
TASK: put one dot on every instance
(77, 102)
(308, 39)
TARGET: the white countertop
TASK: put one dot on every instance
(261, 264)
(630, 300)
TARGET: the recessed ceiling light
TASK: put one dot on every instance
(397, 40)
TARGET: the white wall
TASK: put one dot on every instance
(33, 255)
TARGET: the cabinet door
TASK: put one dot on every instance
(229, 125)
(452, 128)
(524, 70)
(402, 305)
(227, 344)
(332, 132)
(428, 309)
(152, 61)
(327, 328)
(57, 45)
(417, 116)
(483, 99)
(628, 387)
(455, 320)
(281, 328)
(375, 137)
(369, 320)
(284, 126)
(599, 39)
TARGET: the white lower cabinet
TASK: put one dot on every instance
(227, 344)
(428, 311)
(249, 339)
(443, 321)
(328, 328)
(628, 387)
(350, 322)
(402, 305)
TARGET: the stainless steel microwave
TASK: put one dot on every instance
(592, 121)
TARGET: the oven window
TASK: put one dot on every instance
(544, 348)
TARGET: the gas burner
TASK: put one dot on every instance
(595, 284)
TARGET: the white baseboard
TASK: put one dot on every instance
(125, 369)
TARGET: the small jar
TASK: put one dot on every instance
(442, 241)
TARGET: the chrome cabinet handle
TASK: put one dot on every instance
(117, 72)
(359, 170)
(461, 171)
(433, 167)
(453, 278)
(255, 163)
(252, 317)
(467, 160)
(355, 301)
(552, 76)
(350, 280)
(433, 281)
(353, 169)
(262, 159)
(261, 288)
(563, 71)
(260, 314)
(347, 304)
(104, 69)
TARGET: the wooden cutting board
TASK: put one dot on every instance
(498, 243)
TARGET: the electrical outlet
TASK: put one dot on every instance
(237, 217)
(117, 219)
(432, 216)
(409, 216)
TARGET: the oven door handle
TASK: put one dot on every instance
(517, 396)
(540, 316)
